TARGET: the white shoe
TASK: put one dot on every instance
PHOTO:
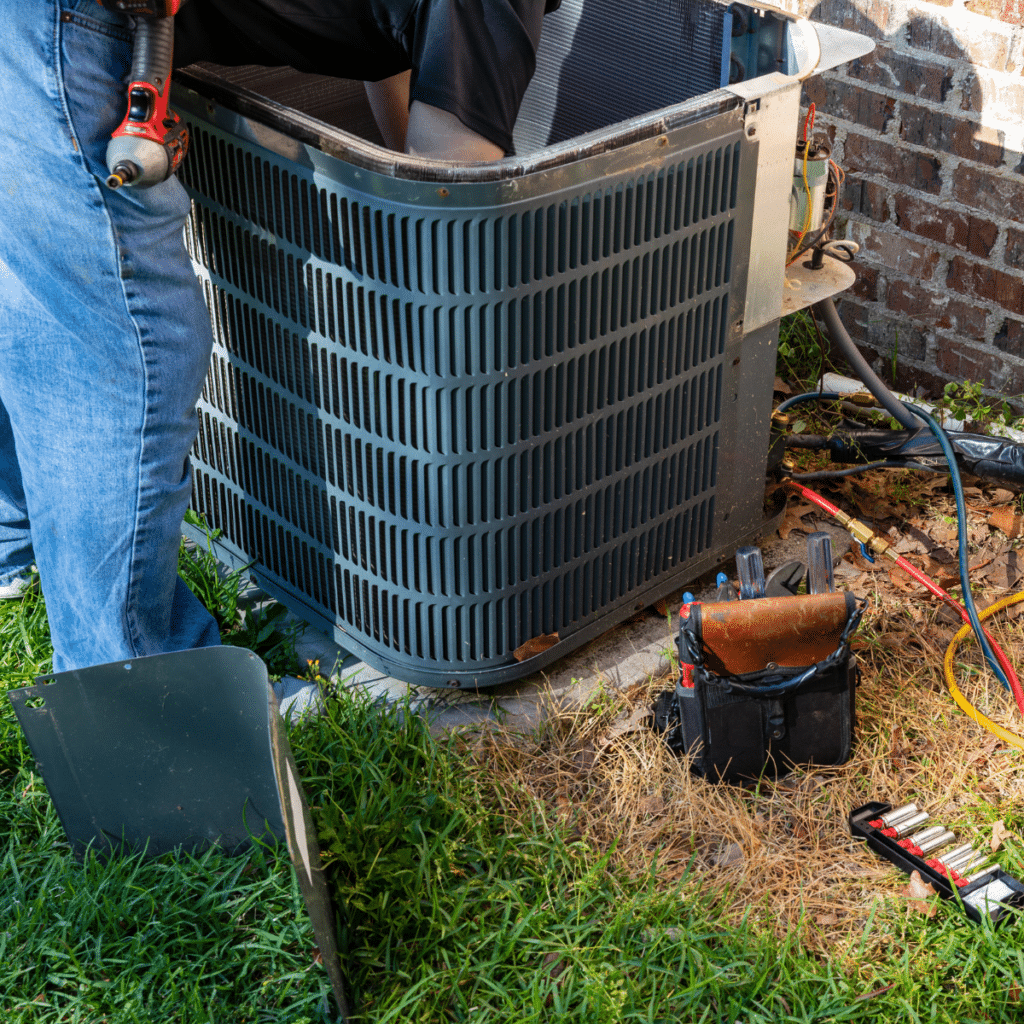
(298, 699)
(16, 588)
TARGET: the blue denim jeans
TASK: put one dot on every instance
(104, 345)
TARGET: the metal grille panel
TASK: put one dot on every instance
(444, 429)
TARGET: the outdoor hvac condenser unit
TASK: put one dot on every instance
(454, 408)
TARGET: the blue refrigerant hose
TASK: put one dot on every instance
(961, 515)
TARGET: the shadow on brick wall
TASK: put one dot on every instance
(933, 196)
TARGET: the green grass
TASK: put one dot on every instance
(461, 906)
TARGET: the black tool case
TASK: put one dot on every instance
(996, 896)
(764, 685)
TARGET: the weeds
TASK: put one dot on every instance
(967, 401)
(801, 359)
(264, 629)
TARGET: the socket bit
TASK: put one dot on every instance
(984, 872)
(890, 819)
(934, 842)
(819, 564)
(910, 825)
(955, 863)
(750, 569)
(927, 833)
(957, 853)
(972, 863)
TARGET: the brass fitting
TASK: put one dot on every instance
(863, 534)
(862, 398)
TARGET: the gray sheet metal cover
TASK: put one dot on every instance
(182, 750)
(173, 750)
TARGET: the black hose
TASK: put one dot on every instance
(826, 309)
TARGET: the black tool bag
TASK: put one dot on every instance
(764, 684)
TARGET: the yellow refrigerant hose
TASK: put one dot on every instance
(969, 709)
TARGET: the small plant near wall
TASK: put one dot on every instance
(967, 401)
(800, 359)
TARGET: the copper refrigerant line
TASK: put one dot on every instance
(961, 865)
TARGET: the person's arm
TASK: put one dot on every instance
(389, 101)
(435, 133)
(423, 130)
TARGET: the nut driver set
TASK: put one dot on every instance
(907, 837)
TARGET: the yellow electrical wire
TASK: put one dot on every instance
(966, 706)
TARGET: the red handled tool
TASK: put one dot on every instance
(151, 141)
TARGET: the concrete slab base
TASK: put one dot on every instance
(638, 650)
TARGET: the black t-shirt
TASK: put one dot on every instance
(473, 58)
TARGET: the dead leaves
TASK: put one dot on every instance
(793, 519)
(919, 893)
(1009, 521)
(535, 645)
(1000, 833)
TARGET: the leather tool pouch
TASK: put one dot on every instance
(764, 684)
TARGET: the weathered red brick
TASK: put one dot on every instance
(937, 130)
(1014, 249)
(897, 251)
(903, 72)
(873, 17)
(936, 308)
(880, 334)
(920, 379)
(936, 37)
(850, 102)
(1010, 11)
(866, 285)
(1010, 337)
(899, 166)
(999, 194)
(866, 198)
(991, 369)
(985, 282)
(928, 219)
(999, 96)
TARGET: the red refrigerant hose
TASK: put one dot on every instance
(870, 539)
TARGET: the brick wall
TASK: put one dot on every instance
(929, 129)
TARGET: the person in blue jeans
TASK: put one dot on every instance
(104, 346)
(104, 336)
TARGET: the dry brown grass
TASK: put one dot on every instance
(795, 867)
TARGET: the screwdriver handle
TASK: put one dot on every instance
(819, 564)
(750, 570)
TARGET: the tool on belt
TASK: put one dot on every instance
(765, 682)
(151, 141)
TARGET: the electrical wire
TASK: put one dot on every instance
(954, 691)
(832, 474)
(808, 124)
(805, 242)
(961, 512)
